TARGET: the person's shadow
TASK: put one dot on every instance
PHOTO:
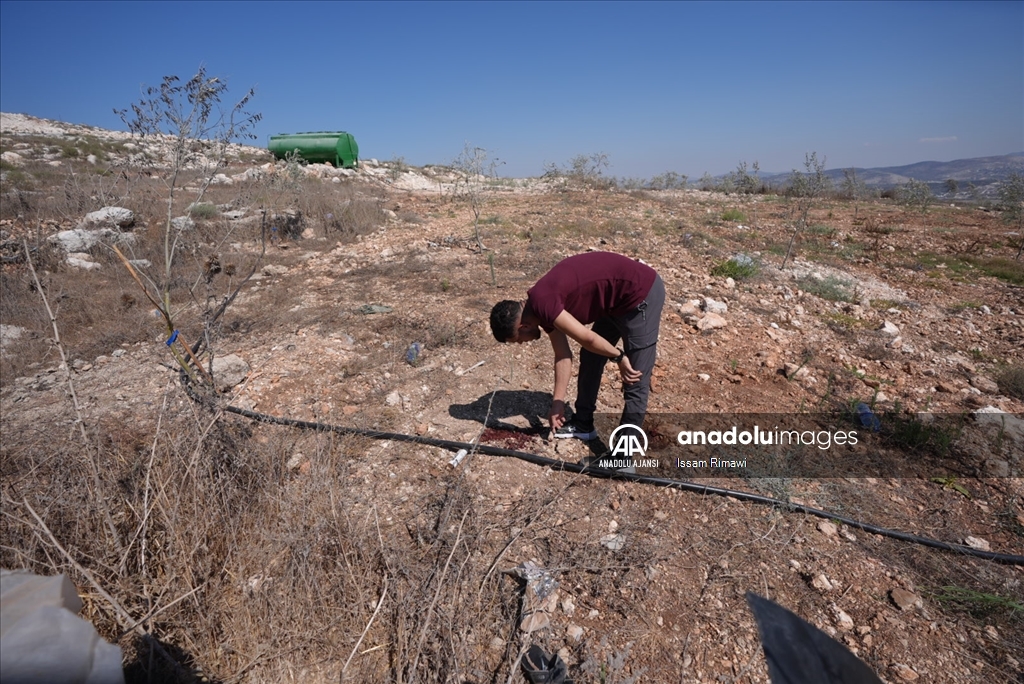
(493, 408)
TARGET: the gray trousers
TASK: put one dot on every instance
(638, 329)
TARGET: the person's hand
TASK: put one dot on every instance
(628, 374)
(557, 414)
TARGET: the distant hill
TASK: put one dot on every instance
(984, 172)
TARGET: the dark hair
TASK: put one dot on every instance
(503, 319)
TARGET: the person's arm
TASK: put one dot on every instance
(563, 371)
(592, 342)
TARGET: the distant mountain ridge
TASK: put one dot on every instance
(984, 172)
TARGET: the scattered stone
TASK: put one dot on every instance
(714, 306)
(497, 644)
(946, 387)
(978, 543)
(78, 261)
(228, 371)
(843, 620)
(905, 600)
(905, 672)
(794, 371)
(296, 461)
(82, 240)
(183, 223)
(995, 467)
(12, 158)
(821, 583)
(991, 632)
(393, 399)
(690, 308)
(1006, 424)
(828, 529)
(568, 606)
(367, 309)
(614, 542)
(9, 333)
(984, 384)
(703, 377)
(890, 329)
(711, 321)
(111, 217)
(574, 632)
(274, 270)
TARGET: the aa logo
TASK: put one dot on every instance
(627, 443)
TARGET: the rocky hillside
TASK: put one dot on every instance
(249, 551)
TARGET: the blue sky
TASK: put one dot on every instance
(686, 87)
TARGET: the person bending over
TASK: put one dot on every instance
(623, 299)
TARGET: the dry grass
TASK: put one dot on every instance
(275, 568)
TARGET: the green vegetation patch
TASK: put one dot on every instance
(911, 433)
(732, 214)
(832, 288)
(735, 268)
(939, 265)
(977, 603)
(842, 322)
(1005, 269)
(203, 211)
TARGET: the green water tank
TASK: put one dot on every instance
(321, 147)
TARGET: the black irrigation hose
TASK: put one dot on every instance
(631, 477)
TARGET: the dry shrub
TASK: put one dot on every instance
(100, 310)
(97, 310)
(1011, 381)
(337, 211)
(273, 566)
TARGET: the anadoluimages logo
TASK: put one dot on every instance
(627, 445)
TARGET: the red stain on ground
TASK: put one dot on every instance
(509, 439)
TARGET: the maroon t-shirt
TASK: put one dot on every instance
(590, 286)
